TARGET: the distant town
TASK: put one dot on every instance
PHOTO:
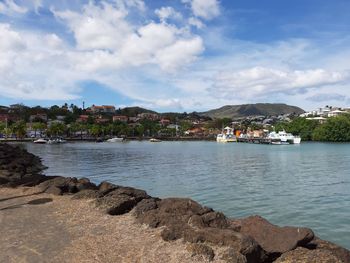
(104, 121)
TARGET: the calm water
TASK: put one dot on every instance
(301, 185)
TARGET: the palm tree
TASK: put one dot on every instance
(19, 128)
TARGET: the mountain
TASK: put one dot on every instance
(247, 110)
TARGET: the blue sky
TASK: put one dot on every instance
(175, 55)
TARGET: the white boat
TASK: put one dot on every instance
(283, 137)
(115, 139)
(226, 135)
(56, 141)
(40, 141)
(154, 140)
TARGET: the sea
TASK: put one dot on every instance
(290, 185)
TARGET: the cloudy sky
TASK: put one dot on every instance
(175, 55)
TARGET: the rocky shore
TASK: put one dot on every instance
(202, 233)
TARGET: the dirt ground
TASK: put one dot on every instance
(45, 228)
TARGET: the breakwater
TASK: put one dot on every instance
(252, 239)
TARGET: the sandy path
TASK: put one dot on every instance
(66, 230)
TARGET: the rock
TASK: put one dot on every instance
(146, 205)
(66, 184)
(19, 167)
(273, 239)
(119, 200)
(172, 211)
(87, 194)
(185, 218)
(303, 255)
(116, 204)
(201, 250)
(106, 187)
(53, 190)
(84, 184)
(341, 253)
(232, 256)
(3, 180)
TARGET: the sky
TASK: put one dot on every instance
(175, 55)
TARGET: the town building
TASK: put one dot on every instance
(38, 117)
(102, 109)
(121, 118)
(148, 116)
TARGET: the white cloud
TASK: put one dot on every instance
(259, 81)
(105, 27)
(9, 7)
(166, 13)
(195, 22)
(207, 9)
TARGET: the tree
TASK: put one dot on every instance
(56, 129)
(19, 128)
(140, 129)
(336, 129)
(299, 126)
(95, 130)
(38, 126)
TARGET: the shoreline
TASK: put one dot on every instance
(207, 232)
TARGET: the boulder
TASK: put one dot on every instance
(106, 187)
(84, 184)
(340, 252)
(232, 256)
(303, 255)
(273, 239)
(19, 167)
(87, 194)
(120, 200)
(185, 218)
(65, 184)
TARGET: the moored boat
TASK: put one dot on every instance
(116, 139)
(40, 141)
(154, 140)
(226, 135)
(283, 137)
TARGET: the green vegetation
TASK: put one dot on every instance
(299, 126)
(335, 129)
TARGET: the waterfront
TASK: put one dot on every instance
(302, 185)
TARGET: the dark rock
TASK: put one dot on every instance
(185, 218)
(66, 184)
(3, 180)
(84, 184)
(106, 187)
(114, 204)
(273, 239)
(53, 190)
(129, 191)
(201, 250)
(146, 205)
(20, 167)
(339, 252)
(87, 194)
(303, 255)
(232, 256)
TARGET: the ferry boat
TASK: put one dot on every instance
(226, 135)
(283, 137)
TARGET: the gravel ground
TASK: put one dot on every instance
(46, 228)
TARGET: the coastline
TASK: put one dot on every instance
(207, 233)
